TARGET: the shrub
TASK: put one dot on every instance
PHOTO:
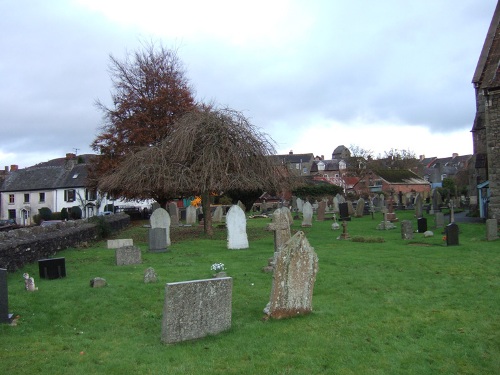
(64, 214)
(36, 219)
(45, 213)
(103, 227)
(75, 213)
(56, 216)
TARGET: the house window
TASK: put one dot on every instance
(11, 198)
(304, 170)
(297, 166)
(12, 214)
(90, 194)
(26, 198)
(41, 197)
(69, 195)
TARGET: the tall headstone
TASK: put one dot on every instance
(335, 204)
(406, 230)
(236, 223)
(195, 309)
(381, 201)
(294, 276)
(300, 204)
(159, 233)
(491, 229)
(5, 317)
(173, 211)
(321, 211)
(360, 207)
(350, 208)
(307, 214)
(217, 216)
(281, 228)
(418, 206)
(344, 212)
(451, 231)
(439, 219)
(422, 225)
(190, 215)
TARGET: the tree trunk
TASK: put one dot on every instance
(207, 214)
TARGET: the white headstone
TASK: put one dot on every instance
(300, 204)
(161, 219)
(191, 215)
(236, 223)
(307, 214)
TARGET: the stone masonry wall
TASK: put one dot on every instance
(493, 150)
(26, 245)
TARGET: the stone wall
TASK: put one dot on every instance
(26, 245)
(493, 151)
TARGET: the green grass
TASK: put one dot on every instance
(393, 307)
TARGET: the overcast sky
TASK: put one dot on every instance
(312, 74)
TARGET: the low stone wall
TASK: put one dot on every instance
(26, 245)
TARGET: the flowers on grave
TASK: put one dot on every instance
(196, 202)
(217, 267)
(444, 238)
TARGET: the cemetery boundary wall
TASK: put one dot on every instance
(27, 245)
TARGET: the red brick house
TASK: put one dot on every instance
(392, 181)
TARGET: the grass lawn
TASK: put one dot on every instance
(393, 307)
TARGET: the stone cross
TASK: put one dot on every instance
(281, 228)
(344, 235)
(452, 212)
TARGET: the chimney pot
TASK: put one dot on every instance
(14, 167)
(291, 152)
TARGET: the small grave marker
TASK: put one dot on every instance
(451, 231)
(128, 255)
(422, 225)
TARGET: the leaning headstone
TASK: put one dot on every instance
(406, 230)
(491, 229)
(422, 225)
(321, 211)
(128, 255)
(236, 223)
(115, 244)
(307, 215)
(360, 207)
(98, 282)
(418, 206)
(451, 231)
(173, 211)
(160, 221)
(190, 215)
(5, 317)
(195, 309)
(439, 219)
(217, 216)
(281, 228)
(150, 275)
(294, 276)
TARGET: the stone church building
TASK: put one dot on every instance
(485, 176)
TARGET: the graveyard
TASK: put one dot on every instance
(384, 302)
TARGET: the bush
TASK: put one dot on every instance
(75, 213)
(103, 227)
(36, 219)
(45, 213)
(64, 214)
(56, 216)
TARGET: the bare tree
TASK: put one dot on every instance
(209, 150)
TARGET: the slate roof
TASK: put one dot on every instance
(294, 158)
(400, 176)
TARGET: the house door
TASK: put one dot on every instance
(25, 217)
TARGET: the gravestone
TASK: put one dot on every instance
(439, 219)
(391, 215)
(406, 230)
(263, 208)
(335, 224)
(294, 203)
(451, 231)
(173, 211)
(115, 244)
(289, 214)
(335, 204)
(344, 212)
(281, 228)
(150, 275)
(236, 223)
(217, 216)
(350, 209)
(242, 206)
(344, 235)
(376, 202)
(190, 215)
(418, 206)
(381, 201)
(300, 204)
(54, 268)
(340, 198)
(128, 255)
(307, 215)
(296, 266)
(491, 229)
(422, 225)
(5, 317)
(98, 282)
(160, 221)
(195, 309)
(360, 207)
(321, 211)
(154, 206)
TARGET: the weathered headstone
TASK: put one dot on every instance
(439, 219)
(321, 211)
(242, 206)
(121, 242)
(418, 206)
(294, 203)
(350, 209)
(5, 317)
(150, 275)
(451, 231)
(53, 268)
(160, 221)
(281, 228)
(190, 215)
(422, 225)
(491, 229)
(294, 276)
(128, 255)
(173, 211)
(289, 214)
(344, 212)
(98, 282)
(406, 230)
(217, 216)
(307, 214)
(344, 235)
(300, 204)
(335, 204)
(236, 223)
(381, 201)
(154, 206)
(195, 309)
(360, 207)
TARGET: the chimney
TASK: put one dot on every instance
(291, 152)
(322, 157)
(70, 156)
(6, 169)
(14, 167)
(422, 157)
